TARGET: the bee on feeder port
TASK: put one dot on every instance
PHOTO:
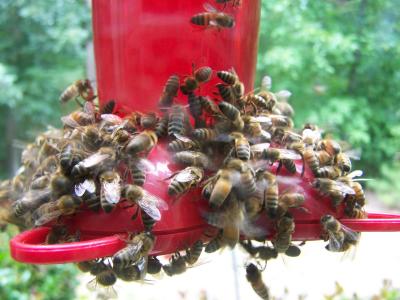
(110, 193)
(176, 265)
(184, 180)
(105, 278)
(154, 265)
(193, 253)
(143, 142)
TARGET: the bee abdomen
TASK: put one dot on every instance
(193, 254)
(201, 19)
(204, 134)
(261, 290)
(162, 126)
(226, 92)
(148, 222)
(195, 106)
(176, 188)
(243, 151)
(92, 201)
(138, 176)
(289, 165)
(227, 77)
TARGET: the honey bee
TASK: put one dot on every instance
(154, 266)
(65, 205)
(311, 160)
(130, 273)
(56, 234)
(183, 143)
(143, 142)
(138, 247)
(266, 253)
(205, 134)
(337, 190)
(330, 146)
(148, 202)
(138, 169)
(70, 155)
(199, 76)
(60, 185)
(225, 2)
(341, 238)
(81, 88)
(108, 107)
(285, 228)
(229, 77)
(77, 119)
(169, 92)
(203, 74)
(227, 93)
(194, 252)
(269, 185)
(213, 18)
(324, 158)
(192, 158)
(253, 206)
(359, 196)
(209, 106)
(185, 180)
(40, 182)
(30, 201)
(161, 128)
(343, 162)
(103, 159)
(176, 265)
(86, 266)
(286, 157)
(232, 113)
(177, 118)
(223, 183)
(105, 277)
(195, 107)
(148, 120)
(254, 276)
(110, 193)
(242, 146)
(331, 172)
(215, 244)
(91, 137)
(290, 200)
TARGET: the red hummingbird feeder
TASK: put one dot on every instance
(138, 45)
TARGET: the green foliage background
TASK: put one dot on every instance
(339, 58)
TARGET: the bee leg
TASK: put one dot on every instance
(78, 102)
(304, 166)
(135, 215)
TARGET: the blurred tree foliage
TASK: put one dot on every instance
(341, 61)
(19, 281)
(42, 50)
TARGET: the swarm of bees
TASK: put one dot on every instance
(234, 148)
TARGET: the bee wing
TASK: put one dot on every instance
(288, 180)
(283, 95)
(289, 154)
(92, 285)
(335, 244)
(185, 175)
(94, 159)
(208, 7)
(314, 135)
(89, 108)
(112, 190)
(354, 154)
(259, 147)
(266, 83)
(355, 173)
(263, 119)
(344, 188)
(350, 234)
(88, 185)
(251, 230)
(69, 121)
(111, 118)
(182, 138)
(152, 204)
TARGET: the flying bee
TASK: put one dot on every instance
(103, 159)
(30, 201)
(340, 237)
(81, 88)
(177, 119)
(143, 142)
(213, 18)
(343, 162)
(232, 113)
(169, 92)
(176, 265)
(235, 3)
(146, 201)
(270, 188)
(330, 146)
(110, 192)
(183, 143)
(65, 205)
(192, 158)
(253, 275)
(185, 180)
(337, 190)
(139, 246)
(194, 252)
(148, 120)
(161, 128)
(105, 277)
(285, 227)
(226, 92)
(242, 146)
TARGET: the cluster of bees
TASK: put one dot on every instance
(226, 145)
